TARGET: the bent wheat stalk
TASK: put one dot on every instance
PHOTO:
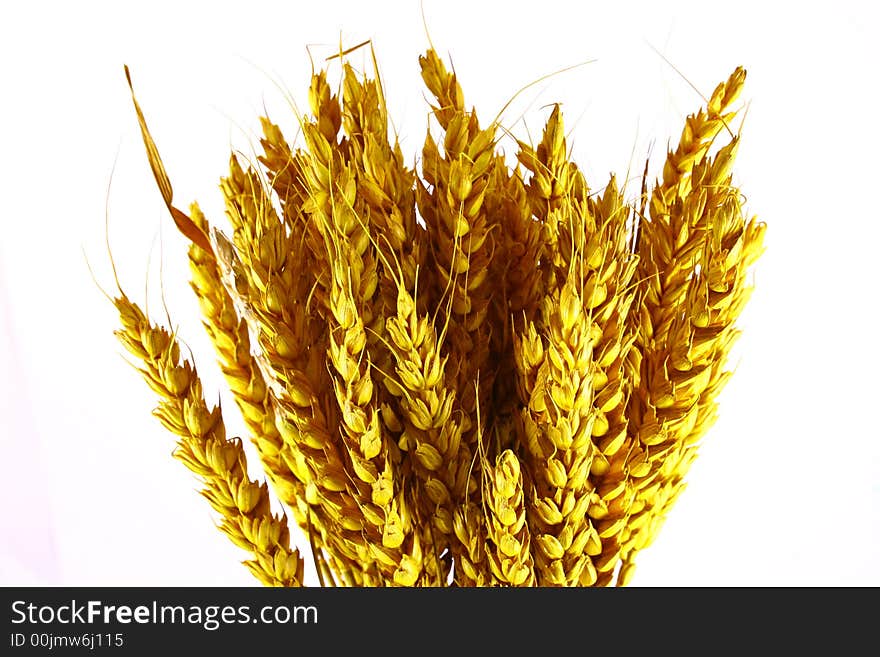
(243, 505)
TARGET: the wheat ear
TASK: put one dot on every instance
(609, 269)
(431, 433)
(243, 504)
(451, 201)
(695, 233)
(555, 386)
(508, 546)
(292, 349)
(591, 257)
(684, 373)
(230, 337)
(354, 283)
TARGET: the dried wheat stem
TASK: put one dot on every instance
(590, 254)
(696, 138)
(285, 169)
(229, 335)
(387, 189)
(520, 244)
(554, 357)
(386, 185)
(459, 227)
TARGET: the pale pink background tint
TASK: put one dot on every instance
(785, 491)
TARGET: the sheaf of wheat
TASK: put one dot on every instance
(463, 373)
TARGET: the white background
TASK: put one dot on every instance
(785, 491)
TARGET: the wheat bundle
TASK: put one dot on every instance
(467, 374)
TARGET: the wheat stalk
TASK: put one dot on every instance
(243, 504)
(695, 234)
(292, 352)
